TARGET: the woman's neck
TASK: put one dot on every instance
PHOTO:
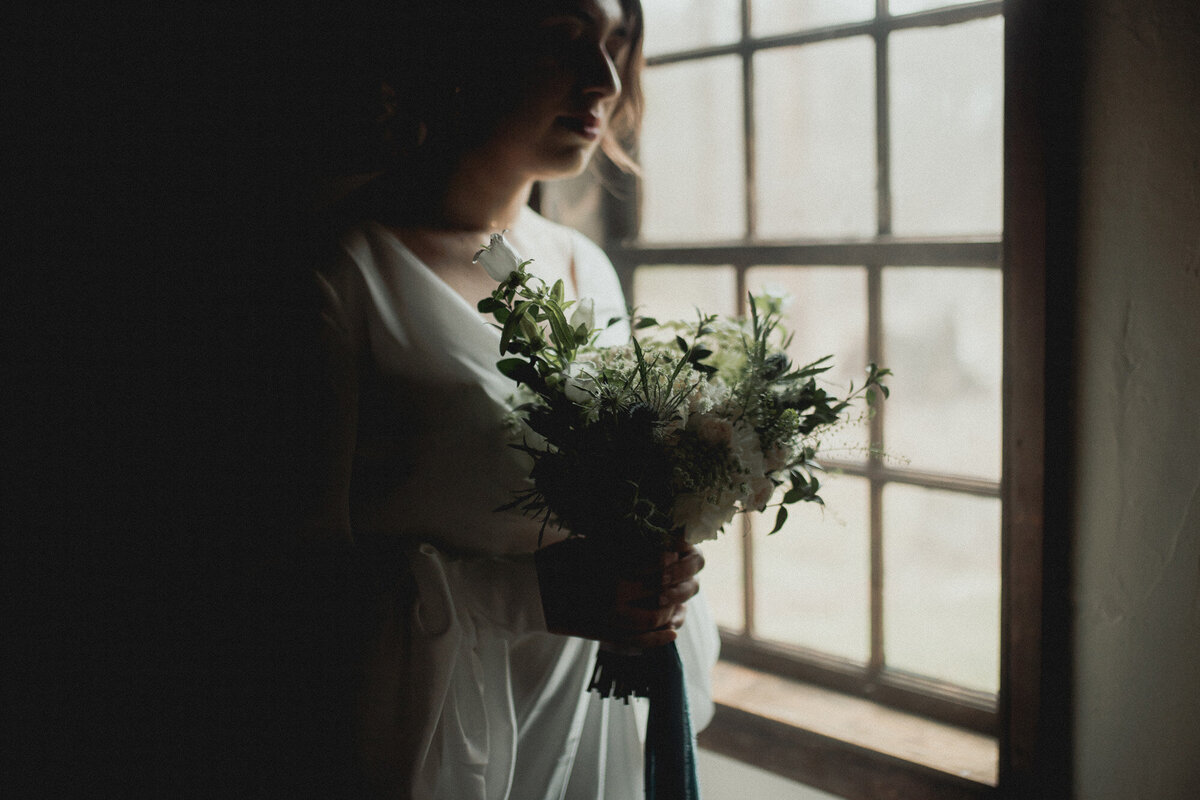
(475, 199)
(481, 199)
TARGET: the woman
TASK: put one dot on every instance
(476, 677)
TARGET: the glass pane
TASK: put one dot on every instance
(942, 338)
(826, 312)
(722, 577)
(816, 167)
(691, 151)
(674, 292)
(812, 578)
(673, 25)
(946, 122)
(941, 596)
(770, 17)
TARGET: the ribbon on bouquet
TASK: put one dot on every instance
(670, 759)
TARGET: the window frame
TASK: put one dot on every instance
(1030, 715)
(975, 710)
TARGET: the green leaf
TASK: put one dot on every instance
(797, 494)
(681, 343)
(517, 369)
(560, 330)
(557, 292)
(512, 325)
(528, 327)
(489, 305)
(645, 322)
(780, 518)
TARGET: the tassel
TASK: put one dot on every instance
(622, 675)
(670, 764)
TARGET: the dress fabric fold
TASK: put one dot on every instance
(467, 697)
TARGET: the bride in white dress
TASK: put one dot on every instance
(475, 684)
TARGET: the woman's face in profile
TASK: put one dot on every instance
(566, 87)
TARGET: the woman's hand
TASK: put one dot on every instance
(642, 608)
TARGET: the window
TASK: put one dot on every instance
(853, 155)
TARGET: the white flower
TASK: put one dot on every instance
(712, 429)
(708, 395)
(776, 458)
(579, 385)
(700, 517)
(498, 258)
(584, 314)
(743, 443)
(762, 489)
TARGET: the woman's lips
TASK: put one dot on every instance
(589, 126)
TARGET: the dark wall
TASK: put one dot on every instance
(172, 635)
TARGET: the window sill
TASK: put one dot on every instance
(844, 745)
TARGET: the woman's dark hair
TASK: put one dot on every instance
(394, 77)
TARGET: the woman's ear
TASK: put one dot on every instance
(401, 132)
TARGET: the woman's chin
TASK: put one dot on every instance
(566, 163)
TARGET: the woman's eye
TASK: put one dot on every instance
(617, 43)
(563, 28)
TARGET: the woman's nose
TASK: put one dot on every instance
(601, 78)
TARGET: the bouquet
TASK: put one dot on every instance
(643, 446)
(668, 437)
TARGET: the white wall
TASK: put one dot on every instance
(1137, 515)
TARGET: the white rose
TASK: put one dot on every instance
(584, 314)
(776, 458)
(761, 491)
(498, 258)
(712, 430)
(700, 519)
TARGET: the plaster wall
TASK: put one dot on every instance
(1137, 398)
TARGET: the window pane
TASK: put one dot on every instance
(816, 167)
(722, 577)
(770, 17)
(946, 109)
(826, 312)
(942, 338)
(673, 25)
(812, 578)
(941, 597)
(674, 292)
(691, 151)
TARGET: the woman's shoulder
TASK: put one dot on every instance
(575, 247)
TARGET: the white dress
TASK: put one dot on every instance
(472, 698)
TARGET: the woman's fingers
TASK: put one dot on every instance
(679, 593)
(650, 639)
(684, 569)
